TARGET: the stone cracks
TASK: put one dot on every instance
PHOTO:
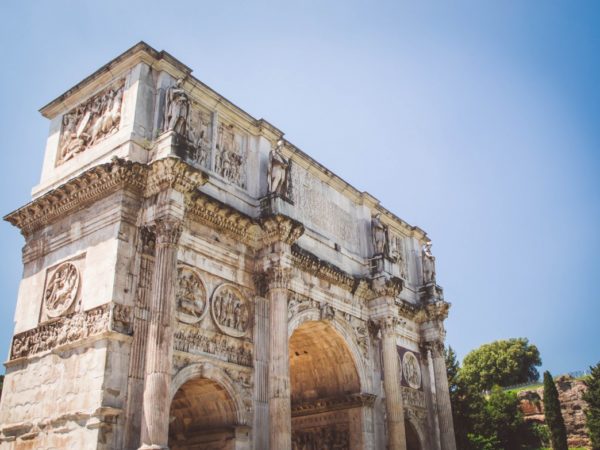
(104, 418)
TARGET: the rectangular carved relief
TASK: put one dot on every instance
(231, 154)
(91, 122)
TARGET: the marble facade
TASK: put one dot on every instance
(192, 280)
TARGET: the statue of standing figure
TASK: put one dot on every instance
(379, 235)
(177, 109)
(428, 264)
(278, 170)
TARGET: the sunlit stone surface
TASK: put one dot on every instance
(194, 281)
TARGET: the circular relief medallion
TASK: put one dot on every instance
(191, 296)
(412, 370)
(62, 289)
(230, 310)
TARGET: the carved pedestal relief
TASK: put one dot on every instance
(90, 122)
(230, 310)
(190, 296)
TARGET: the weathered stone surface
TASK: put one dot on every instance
(570, 391)
(193, 280)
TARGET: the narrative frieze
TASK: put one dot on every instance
(68, 329)
(413, 397)
(91, 122)
(199, 341)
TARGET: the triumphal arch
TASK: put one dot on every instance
(192, 280)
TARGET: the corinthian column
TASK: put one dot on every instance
(391, 385)
(444, 408)
(280, 409)
(159, 351)
(278, 234)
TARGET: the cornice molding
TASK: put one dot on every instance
(90, 186)
(309, 263)
(204, 209)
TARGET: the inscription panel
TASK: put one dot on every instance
(324, 209)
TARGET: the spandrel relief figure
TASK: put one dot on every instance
(177, 109)
(90, 122)
(278, 170)
(428, 264)
(379, 235)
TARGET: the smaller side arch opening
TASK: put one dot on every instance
(203, 415)
(412, 437)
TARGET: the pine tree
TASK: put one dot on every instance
(592, 397)
(554, 418)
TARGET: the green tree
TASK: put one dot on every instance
(502, 363)
(554, 418)
(592, 397)
(500, 424)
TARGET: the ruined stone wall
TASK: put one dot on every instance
(573, 408)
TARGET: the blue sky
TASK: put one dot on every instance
(477, 121)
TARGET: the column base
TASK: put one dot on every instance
(152, 447)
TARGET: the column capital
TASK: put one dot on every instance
(173, 173)
(387, 287)
(274, 277)
(280, 228)
(388, 325)
(168, 230)
(436, 347)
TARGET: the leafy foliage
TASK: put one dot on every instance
(502, 363)
(592, 397)
(554, 418)
(492, 423)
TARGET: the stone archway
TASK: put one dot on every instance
(413, 442)
(205, 412)
(327, 404)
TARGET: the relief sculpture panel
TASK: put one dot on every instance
(230, 310)
(61, 289)
(230, 159)
(190, 296)
(91, 122)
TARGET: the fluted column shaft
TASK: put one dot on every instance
(159, 351)
(443, 397)
(391, 384)
(280, 410)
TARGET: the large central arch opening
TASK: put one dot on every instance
(203, 416)
(325, 390)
